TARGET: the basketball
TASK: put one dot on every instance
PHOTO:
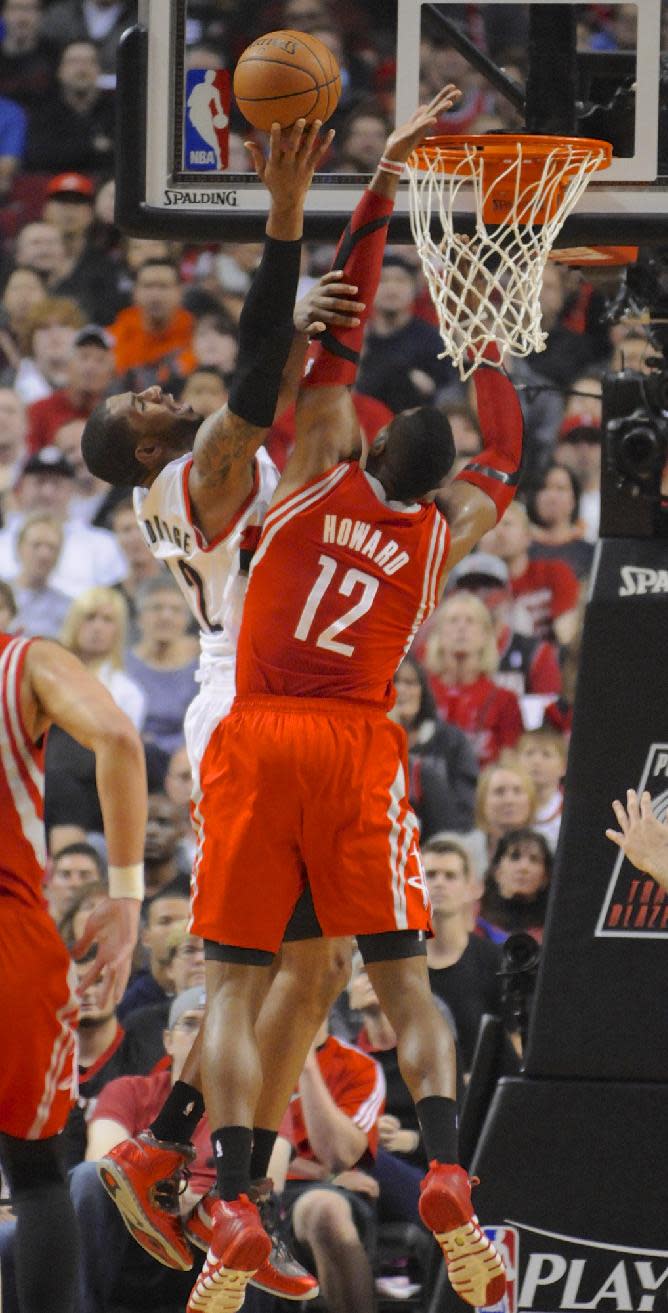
(284, 76)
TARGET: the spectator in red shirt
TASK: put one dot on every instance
(546, 592)
(462, 658)
(90, 371)
(330, 1126)
(114, 1270)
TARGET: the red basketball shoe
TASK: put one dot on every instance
(280, 1275)
(475, 1269)
(239, 1245)
(143, 1176)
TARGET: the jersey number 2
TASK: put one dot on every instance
(327, 638)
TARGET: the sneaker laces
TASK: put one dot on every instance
(166, 1193)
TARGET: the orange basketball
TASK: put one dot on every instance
(284, 76)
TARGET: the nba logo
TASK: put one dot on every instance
(506, 1242)
(207, 120)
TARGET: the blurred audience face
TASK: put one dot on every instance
(555, 501)
(396, 291)
(96, 1010)
(40, 245)
(79, 68)
(21, 20)
(23, 290)
(52, 348)
(448, 883)
(511, 536)
(97, 634)
(521, 871)
(13, 427)
(45, 491)
(71, 215)
(552, 295)
(71, 872)
(162, 829)
(158, 293)
(178, 780)
(179, 1040)
(162, 915)
(163, 616)
(186, 969)
(68, 440)
(302, 15)
(460, 627)
(507, 805)
(38, 549)
(215, 345)
(543, 762)
(364, 141)
(130, 538)
(409, 694)
(204, 392)
(583, 458)
(91, 370)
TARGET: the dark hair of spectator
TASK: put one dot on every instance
(427, 708)
(442, 847)
(157, 262)
(7, 598)
(81, 850)
(515, 838)
(418, 453)
(108, 449)
(575, 489)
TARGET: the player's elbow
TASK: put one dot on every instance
(117, 740)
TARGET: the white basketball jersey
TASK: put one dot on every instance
(211, 575)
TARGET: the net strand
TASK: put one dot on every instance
(486, 288)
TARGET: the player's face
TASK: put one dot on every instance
(161, 426)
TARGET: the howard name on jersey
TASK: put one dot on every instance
(211, 575)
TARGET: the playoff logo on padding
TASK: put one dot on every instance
(506, 1242)
(635, 906)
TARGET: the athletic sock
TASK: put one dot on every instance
(263, 1143)
(232, 1147)
(182, 1110)
(360, 256)
(437, 1116)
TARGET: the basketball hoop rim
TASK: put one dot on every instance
(497, 148)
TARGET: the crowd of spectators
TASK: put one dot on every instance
(486, 694)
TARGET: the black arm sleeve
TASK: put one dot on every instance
(265, 333)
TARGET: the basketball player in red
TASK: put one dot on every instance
(351, 560)
(41, 684)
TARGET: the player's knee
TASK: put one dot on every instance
(30, 1164)
(319, 971)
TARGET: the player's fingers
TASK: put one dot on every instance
(622, 819)
(256, 154)
(336, 303)
(90, 976)
(310, 138)
(646, 806)
(276, 143)
(323, 147)
(632, 808)
(84, 941)
(316, 328)
(616, 838)
(294, 137)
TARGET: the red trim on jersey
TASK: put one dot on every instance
(203, 545)
(34, 791)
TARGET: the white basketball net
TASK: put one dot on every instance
(486, 287)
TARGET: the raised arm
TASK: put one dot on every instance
(327, 426)
(641, 836)
(228, 439)
(60, 691)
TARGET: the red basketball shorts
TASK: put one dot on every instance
(39, 1013)
(296, 789)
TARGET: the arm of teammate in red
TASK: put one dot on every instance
(497, 469)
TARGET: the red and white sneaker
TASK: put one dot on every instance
(143, 1178)
(475, 1269)
(239, 1245)
(280, 1275)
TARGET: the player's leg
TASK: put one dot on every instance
(426, 1055)
(46, 1246)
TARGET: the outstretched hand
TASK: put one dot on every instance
(112, 926)
(403, 141)
(329, 301)
(293, 156)
(641, 837)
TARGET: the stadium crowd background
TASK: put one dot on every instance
(85, 312)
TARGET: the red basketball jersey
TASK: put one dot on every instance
(23, 849)
(340, 582)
